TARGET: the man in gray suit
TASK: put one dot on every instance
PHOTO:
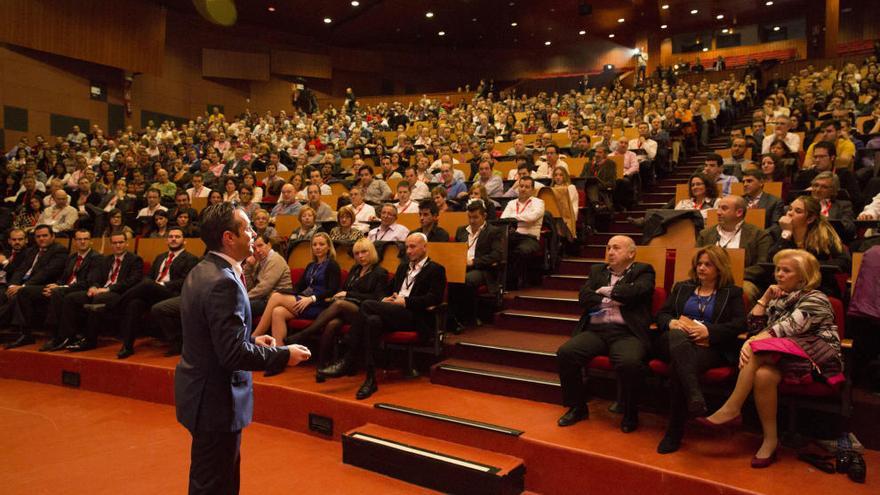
(265, 272)
(756, 198)
(213, 389)
(733, 232)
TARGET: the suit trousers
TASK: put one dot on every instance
(215, 463)
(73, 314)
(627, 353)
(166, 314)
(688, 362)
(24, 316)
(463, 297)
(523, 249)
(376, 318)
(137, 301)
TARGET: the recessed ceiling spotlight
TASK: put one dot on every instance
(621, 20)
(355, 3)
(770, 3)
(665, 6)
(663, 26)
(725, 31)
(474, 19)
(705, 49)
(719, 16)
(582, 32)
(547, 43)
(513, 24)
(429, 14)
(694, 12)
(776, 28)
(271, 9)
(611, 35)
(327, 20)
(442, 33)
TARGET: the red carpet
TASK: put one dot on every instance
(591, 457)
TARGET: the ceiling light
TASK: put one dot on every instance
(582, 32)
(429, 14)
(611, 35)
(513, 24)
(547, 43)
(705, 49)
(474, 19)
(663, 26)
(621, 19)
(271, 9)
(719, 16)
(694, 12)
(327, 20)
(355, 3)
(442, 33)
(725, 31)
(665, 6)
(776, 28)
(768, 3)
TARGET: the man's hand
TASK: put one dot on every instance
(298, 354)
(397, 299)
(94, 291)
(265, 341)
(12, 290)
(865, 216)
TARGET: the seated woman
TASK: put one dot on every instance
(783, 156)
(703, 195)
(775, 173)
(230, 192)
(699, 322)
(794, 339)
(439, 196)
(478, 192)
(116, 224)
(804, 227)
(159, 225)
(345, 231)
(261, 225)
(307, 226)
(320, 281)
(366, 281)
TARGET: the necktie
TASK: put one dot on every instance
(166, 267)
(243, 280)
(72, 279)
(114, 273)
(36, 260)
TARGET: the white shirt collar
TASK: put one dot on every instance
(236, 266)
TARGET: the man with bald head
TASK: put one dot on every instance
(617, 313)
(287, 203)
(418, 285)
(61, 217)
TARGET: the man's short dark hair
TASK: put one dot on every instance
(754, 172)
(715, 157)
(828, 146)
(367, 168)
(217, 219)
(429, 204)
(547, 148)
(265, 237)
(528, 178)
(180, 229)
(43, 226)
(477, 205)
(82, 231)
(831, 122)
(181, 193)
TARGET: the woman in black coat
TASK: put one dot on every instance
(366, 281)
(700, 323)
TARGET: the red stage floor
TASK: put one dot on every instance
(591, 457)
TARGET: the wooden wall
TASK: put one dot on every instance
(669, 58)
(125, 34)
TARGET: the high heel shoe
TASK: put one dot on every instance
(759, 463)
(319, 377)
(733, 422)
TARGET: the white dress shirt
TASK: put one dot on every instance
(530, 215)
(410, 280)
(394, 232)
(472, 241)
(362, 216)
(729, 239)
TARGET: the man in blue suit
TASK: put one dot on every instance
(213, 389)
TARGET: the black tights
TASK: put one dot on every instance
(330, 321)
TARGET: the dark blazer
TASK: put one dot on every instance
(488, 251)
(728, 317)
(437, 234)
(94, 198)
(635, 291)
(91, 263)
(130, 272)
(371, 286)
(842, 211)
(755, 241)
(46, 271)
(16, 262)
(332, 274)
(605, 171)
(213, 388)
(427, 290)
(773, 208)
(182, 263)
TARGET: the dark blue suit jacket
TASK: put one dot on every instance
(213, 389)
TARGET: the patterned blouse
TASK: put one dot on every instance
(353, 234)
(799, 314)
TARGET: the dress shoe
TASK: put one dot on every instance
(759, 463)
(573, 415)
(630, 423)
(81, 345)
(319, 377)
(23, 340)
(95, 308)
(616, 408)
(50, 344)
(62, 344)
(734, 422)
(669, 444)
(125, 352)
(367, 389)
(697, 407)
(339, 368)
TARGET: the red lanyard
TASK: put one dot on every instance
(518, 211)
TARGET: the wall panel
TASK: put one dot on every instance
(292, 63)
(235, 65)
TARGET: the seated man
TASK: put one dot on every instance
(145, 214)
(825, 188)
(737, 161)
(830, 133)
(714, 170)
(61, 216)
(523, 244)
(375, 190)
(484, 257)
(183, 205)
(13, 257)
(405, 202)
(363, 213)
(733, 232)
(419, 190)
(120, 271)
(755, 197)
(429, 214)
(617, 313)
(323, 212)
(418, 285)
(487, 178)
(287, 203)
(167, 274)
(265, 272)
(625, 187)
(521, 170)
(32, 300)
(41, 264)
(455, 189)
(166, 314)
(824, 156)
(388, 230)
(780, 131)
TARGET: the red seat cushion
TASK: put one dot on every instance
(297, 324)
(601, 363)
(659, 367)
(718, 375)
(401, 338)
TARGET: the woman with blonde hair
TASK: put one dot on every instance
(793, 340)
(308, 297)
(366, 280)
(700, 322)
